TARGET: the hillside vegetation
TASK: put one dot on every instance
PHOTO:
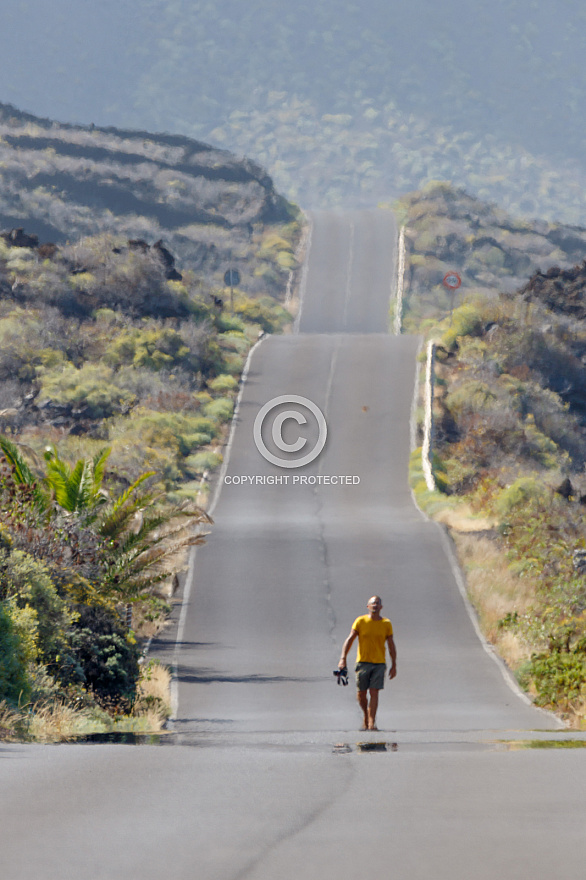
(510, 424)
(120, 361)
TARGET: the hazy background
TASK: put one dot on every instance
(345, 103)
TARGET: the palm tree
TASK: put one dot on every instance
(139, 535)
(77, 487)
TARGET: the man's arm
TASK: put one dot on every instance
(393, 653)
(346, 647)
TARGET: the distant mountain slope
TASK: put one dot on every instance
(343, 102)
(64, 181)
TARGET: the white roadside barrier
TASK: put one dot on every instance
(398, 321)
(428, 418)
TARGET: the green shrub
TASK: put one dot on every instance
(558, 677)
(103, 658)
(159, 441)
(106, 316)
(14, 683)
(543, 449)
(264, 311)
(220, 409)
(234, 341)
(91, 388)
(460, 475)
(203, 461)
(26, 625)
(466, 321)
(223, 383)
(154, 349)
(122, 348)
(158, 349)
(22, 348)
(193, 441)
(226, 322)
(273, 244)
(473, 396)
(519, 493)
(28, 585)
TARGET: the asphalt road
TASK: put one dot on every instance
(265, 774)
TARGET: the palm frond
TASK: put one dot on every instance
(22, 473)
(100, 460)
(13, 456)
(122, 499)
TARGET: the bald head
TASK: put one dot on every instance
(374, 606)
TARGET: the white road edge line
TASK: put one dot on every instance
(191, 568)
(460, 579)
(426, 462)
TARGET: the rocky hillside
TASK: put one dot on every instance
(494, 252)
(62, 182)
(562, 291)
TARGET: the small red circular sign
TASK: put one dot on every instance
(452, 280)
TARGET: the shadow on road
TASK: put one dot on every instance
(211, 676)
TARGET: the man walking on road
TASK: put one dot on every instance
(372, 632)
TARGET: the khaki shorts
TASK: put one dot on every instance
(370, 676)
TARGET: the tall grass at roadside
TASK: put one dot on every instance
(496, 594)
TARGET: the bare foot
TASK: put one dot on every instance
(364, 726)
(373, 727)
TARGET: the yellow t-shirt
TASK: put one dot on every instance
(372, 636)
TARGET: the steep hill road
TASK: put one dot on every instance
(265, 773)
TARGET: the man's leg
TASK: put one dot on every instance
(363, 703)
(372, 709)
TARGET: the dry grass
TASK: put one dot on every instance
(155, 681)
(495, 592)
(576, 718)
(50, 722)
(462, 519)
(10, 722)
(56, 723)
(153, 702)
